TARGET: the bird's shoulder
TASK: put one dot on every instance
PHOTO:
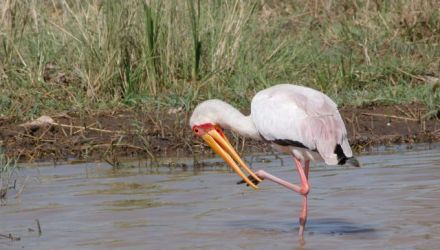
(310, 101)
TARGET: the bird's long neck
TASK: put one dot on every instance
(237, 122)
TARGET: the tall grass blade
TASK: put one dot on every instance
(194, 16)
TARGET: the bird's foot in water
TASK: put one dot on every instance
(252, 179)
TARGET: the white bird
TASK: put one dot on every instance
(296, 120)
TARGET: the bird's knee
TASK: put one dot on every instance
(261, 173)
(304, 190)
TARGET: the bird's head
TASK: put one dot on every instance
(202, 125)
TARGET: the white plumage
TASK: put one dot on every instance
(301, 114)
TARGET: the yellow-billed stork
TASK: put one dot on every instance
(295, 119)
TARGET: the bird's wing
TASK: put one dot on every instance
(301, 114)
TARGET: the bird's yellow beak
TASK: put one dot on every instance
(221, 145)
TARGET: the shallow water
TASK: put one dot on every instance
(392, 202)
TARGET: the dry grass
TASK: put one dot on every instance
(73, 55)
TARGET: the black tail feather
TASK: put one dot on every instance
(343, 159)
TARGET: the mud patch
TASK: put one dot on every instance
(109, 136)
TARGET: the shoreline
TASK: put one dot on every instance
(111, 135)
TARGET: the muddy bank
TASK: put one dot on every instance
(111, 135)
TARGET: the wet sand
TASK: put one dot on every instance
(391, 202)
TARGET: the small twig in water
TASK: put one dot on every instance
(10, 236)
(13, 186)
(3, 192)
(22, 187)
(39, 227)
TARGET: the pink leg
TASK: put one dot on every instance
(306, 168)
(303, 189)
(303, 214)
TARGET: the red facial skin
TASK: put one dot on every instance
(205, 128)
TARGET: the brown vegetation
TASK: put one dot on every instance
(111, 135)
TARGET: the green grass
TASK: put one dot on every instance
(8, 169)
(72, 55)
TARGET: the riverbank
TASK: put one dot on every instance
(119, 78)
(112, 135)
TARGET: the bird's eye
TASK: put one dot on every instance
(196, 130)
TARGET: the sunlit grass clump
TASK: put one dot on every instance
(74, 55)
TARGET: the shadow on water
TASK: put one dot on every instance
(322, 226)
(337, 226)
